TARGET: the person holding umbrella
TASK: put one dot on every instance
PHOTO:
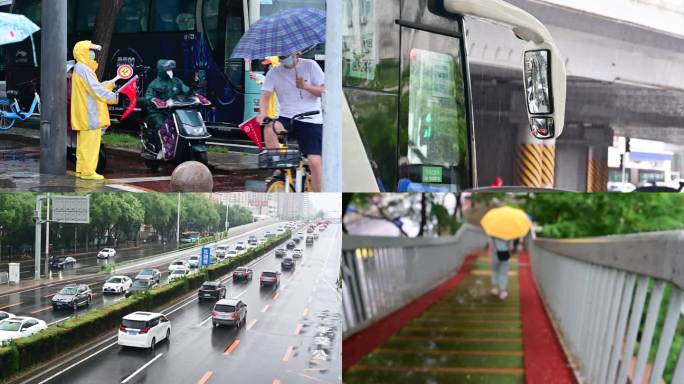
(298, 83)
(503, 224)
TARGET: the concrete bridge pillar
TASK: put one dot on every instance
(536, 160)
(582, 158)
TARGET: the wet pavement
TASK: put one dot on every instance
(469, 336)
(35, 301)
(292, 334)
(125, 171)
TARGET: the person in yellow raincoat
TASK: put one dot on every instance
(89, 113)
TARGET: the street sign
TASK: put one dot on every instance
(124, 72)
(205, 259)
(71, 209)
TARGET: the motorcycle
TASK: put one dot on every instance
(183, 136)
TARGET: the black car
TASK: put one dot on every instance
(212, 290)
(62, 262)
(140, 285)
(290, 244)
(72, 296)
(242, 274)
(287, 264)
(280, 252)
(296, 240)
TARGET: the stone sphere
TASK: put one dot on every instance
(192, 176)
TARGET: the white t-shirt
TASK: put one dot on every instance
(291, 99)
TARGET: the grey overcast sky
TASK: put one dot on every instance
(329, 202)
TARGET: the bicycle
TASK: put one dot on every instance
(10, 111)
(286, 161)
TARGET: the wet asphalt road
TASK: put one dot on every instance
(37, 302)
(292, 334)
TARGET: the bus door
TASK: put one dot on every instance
(433, 150)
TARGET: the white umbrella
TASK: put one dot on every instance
(15, 28)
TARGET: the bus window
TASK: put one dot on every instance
(234, 29)
(133, 16)
(28, 8)
(418, 11)
(210, 11)
(270, 8)
(87, 12)
(173, 15)
(434, 116)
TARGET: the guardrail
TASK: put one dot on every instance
(610, 298)
(382, 274)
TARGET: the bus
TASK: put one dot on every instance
(189, 237)
(198, 34)
(406, 81)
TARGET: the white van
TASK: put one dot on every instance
(144, 330)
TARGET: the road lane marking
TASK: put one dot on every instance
(11, 305)
(265, 308)
(232, 347)
(42, 309)
(275, 295)
(251, 324)
(299, 329)
(204, 321)
(241, 293)
(78, 362)
(205, 378)
(306, 311)
(276, 381)
(142, 368)
(288, 354)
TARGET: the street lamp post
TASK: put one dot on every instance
(332, 99)
(178, 221)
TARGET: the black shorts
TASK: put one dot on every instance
(308, 135)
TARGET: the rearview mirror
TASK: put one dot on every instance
(545, 86)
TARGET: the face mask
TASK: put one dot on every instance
(288, 61)
(170, 73)
(92, 55)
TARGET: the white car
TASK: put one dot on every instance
(5, 315)
(231, 253)
(17, 327)
(221, 252)
(193, 262)
(240, 246)
(297, 253)
(178, 274)
(117, 284)
(180, 264)
(106, 253)
(143, 330)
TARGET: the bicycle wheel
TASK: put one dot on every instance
(5, 123)
(277, 185)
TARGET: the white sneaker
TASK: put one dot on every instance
(503, 295)
(495, 291)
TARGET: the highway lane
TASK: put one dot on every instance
(292, 334)
(36, 302)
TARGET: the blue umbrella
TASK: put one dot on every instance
(15, 28)
(282, 34)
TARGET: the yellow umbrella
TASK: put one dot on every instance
(506, 223)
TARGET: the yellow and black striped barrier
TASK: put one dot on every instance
(536, 165)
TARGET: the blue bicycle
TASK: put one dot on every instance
(10, 111)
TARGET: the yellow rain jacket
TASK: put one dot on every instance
(89, 97)
(89, 113)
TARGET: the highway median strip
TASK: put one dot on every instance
(22, 354)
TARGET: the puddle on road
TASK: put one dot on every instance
(321, 351)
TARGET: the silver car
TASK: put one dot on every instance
(229, 312)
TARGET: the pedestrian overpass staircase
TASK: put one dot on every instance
(420, 311)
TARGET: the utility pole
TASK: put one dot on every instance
(53, 87)
(226, 217)
(332, 100)
(47, 236)
(37, 215)
(178, 221)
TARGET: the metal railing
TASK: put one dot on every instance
(383, 274)
(616, 302)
